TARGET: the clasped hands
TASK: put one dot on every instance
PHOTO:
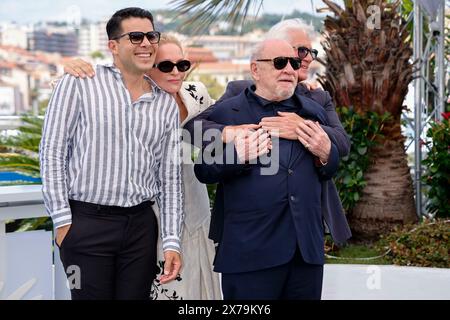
(254, 140)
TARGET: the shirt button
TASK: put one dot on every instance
(292, 198)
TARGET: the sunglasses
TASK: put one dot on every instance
(136, 37)
(167, 66)
(281, 62)
(303, 52)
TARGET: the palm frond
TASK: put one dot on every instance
(33, 125)
(19, 153)
(202, 13)
(20, 158)
(19, 163)
(25, 150)
(28, 138)
(34, 224)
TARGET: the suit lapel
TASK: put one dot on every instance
(241, 110)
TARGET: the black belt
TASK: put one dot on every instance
(110, 209)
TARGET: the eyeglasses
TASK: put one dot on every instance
(136, 37)
(167, 66)
(281, 62)
(303, 52)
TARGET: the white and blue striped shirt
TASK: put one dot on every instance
(100, 147)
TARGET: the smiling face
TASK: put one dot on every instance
(301, 39)
(171, 81)
(134, 58)
(273, 84)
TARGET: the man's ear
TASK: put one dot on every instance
(254, 70)
(112, 45)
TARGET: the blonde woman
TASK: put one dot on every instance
(197, 280)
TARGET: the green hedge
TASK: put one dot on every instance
(437, 168)
(364, 130)
(424, 245)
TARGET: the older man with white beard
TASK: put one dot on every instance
(288, 125)
(272, 241)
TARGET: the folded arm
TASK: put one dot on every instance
(221, 161)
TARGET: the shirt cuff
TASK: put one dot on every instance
(61, 218)
(171, 243)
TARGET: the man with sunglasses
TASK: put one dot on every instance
(290, 126)
(272, 245)
(109, 149)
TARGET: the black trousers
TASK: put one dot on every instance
(110, 252)
(296, 280)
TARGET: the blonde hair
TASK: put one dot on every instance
(170, 38)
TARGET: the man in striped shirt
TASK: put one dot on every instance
(110, 146)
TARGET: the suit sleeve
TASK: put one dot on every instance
(201, 124)
(335, 130)
(328, 171)
(219, 162)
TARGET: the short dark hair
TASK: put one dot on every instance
(114, 25)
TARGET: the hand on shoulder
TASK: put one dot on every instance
(312, 85)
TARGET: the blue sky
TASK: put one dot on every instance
(24, 11)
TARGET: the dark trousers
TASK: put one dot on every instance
(296, 280)
(110, 252)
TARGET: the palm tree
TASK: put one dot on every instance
(20, 153)
(368, 69)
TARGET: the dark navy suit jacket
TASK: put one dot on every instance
(267, 216)
(333, 213)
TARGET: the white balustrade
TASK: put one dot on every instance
(28, 259)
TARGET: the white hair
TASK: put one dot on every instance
(281, 29)
(257, 50)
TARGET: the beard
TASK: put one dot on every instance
(285, 93)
